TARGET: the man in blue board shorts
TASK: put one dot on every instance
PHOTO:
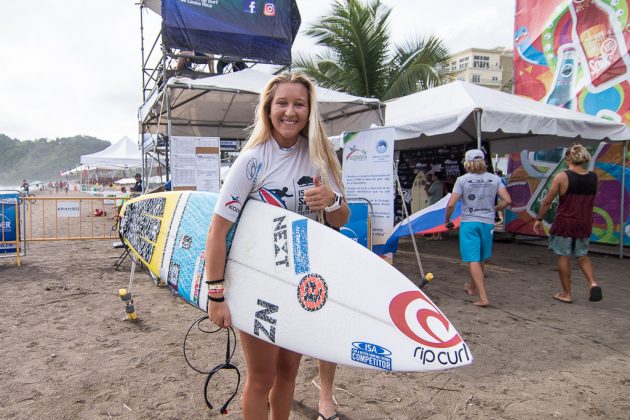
(478, 190)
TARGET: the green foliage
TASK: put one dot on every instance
(360, 58)
(43, 159)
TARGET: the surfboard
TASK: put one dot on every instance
(296, 283)
(419, 193)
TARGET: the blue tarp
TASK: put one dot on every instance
(260, 30)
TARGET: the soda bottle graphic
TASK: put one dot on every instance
(602, 49)
(562, 94)
(541, 191)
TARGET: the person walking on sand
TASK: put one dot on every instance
(571, 228)
(478, 190)
(286, 149)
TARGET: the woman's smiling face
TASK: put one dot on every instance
(289, 113)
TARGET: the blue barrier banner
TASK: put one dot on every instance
(8, 221)
(357, 227)
(260, 30)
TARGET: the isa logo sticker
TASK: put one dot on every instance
(249, 6)
(371, 355)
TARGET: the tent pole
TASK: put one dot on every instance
(169, 130)
(477, 114)
(622, 225)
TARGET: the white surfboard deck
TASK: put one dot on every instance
(296, 283)
(419, 196)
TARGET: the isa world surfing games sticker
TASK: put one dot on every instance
(371, 355)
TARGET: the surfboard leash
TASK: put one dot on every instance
(229, 352)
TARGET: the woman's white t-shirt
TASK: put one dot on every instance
(271, 174)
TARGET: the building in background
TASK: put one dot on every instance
(491, 68)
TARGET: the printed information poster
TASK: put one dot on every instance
(368, 173)
(196, 163)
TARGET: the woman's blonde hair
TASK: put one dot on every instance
(577, 154)
(477, 166)
(320, 148)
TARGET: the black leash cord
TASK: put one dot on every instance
(229, 352)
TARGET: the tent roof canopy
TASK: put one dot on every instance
(446, 115)
(122, 154)
(224, 106)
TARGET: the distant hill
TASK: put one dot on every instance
(43, 159)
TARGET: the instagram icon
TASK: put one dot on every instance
(270, 9)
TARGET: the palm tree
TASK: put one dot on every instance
(361, 59)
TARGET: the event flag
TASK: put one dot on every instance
(426, 221)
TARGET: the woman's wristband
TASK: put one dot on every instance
(217, 299)
(215, 281)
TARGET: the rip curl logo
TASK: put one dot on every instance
(234, 204)
(420, 320)
(357, 154)
(312, 292)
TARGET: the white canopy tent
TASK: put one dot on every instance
(461, 112)
(120, 155)
(448, 114)
(224, 105)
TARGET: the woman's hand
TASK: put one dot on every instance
(219, 314)
(537, 226)
(320, 196)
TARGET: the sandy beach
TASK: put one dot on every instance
(68, 353)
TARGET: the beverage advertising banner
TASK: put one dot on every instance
(573, 54)
(368, 173)
(531, 174)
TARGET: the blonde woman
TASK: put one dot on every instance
(478, 190)
(571, 228)
(288, 161)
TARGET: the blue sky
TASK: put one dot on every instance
(73, 67)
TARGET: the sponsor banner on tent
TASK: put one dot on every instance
(574, 54)
(531, 174)
(261, 30)
(368, 173)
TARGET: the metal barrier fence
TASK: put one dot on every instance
(71, 218)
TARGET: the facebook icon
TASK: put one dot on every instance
(249, 6)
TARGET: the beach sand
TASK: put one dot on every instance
(68, 353)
